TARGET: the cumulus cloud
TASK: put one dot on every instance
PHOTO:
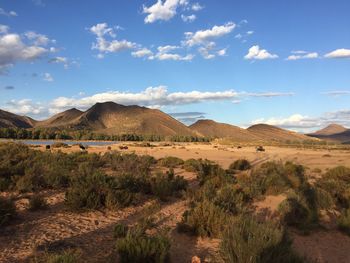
(24, 107)
(188, 117)
(153, 97)
(164, 53)
(162, 10)
(302, 55)
(197, 7)
(14, 49)
(204, 36)
(209, 51)
(143, 52)
(47, 77)
(37, 39)
(338, 53)
(259, 54)
(5, 13)
(306, 123)
(103, 45)
(64, 61)
(189, 18)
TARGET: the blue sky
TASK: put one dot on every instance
(285, 63)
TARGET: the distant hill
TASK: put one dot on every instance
(61, 119)
(333, 132)
(10, 120)
(273, 133)
(210, 128)
(330, 130)
(113, 118)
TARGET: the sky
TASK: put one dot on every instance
(285, 63)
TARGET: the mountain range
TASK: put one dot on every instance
(112, 118)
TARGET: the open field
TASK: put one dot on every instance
(33, 234)
(225, 155)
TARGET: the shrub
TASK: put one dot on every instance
(170, 162)
(67, 256)
(241, 164)
(166, 185)
(191, 165)
(37, 202)
(344, 222)
(324, 200)
(120, 230)
(7, 210)
(231, 199)
(298, 210)
(138, 247)
(205, 219)
(246, 240)
(88, 192)
(337, 183)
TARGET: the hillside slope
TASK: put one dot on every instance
(210, 128)
(10, 120)
(273, 133)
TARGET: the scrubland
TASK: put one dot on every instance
(169, 203)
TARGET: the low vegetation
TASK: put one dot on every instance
(7, 211)
(241, 165)
(37, 202)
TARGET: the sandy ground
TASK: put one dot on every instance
(56, 228)
(225, 155)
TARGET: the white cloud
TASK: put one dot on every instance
(203, 36)
(10, 13)
(196, 7)
(4, 29)
(306, 123)
(108, 46)
(338, 53)
(337, 93)
(250, 32)
(47, 77)
(37, 39)
(144, 52)
(152, 97)
(222, 52)
(13, 49)
(162, 10)
(260, 54)
(189, 18)
(24, 107)
(165, 53)
(303, 55)
(64, 61)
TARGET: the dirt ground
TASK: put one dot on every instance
(56, 228)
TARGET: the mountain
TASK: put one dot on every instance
(10, 120)
(330, 130)
(112, 118)
(210, 128)
(61, 119)
(333, 132)
(273, 133)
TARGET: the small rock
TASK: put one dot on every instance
(195, 259)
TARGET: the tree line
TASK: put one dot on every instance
(51, 134)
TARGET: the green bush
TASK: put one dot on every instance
(344, 222)
(139, 247)
(247, 241)
(88, 192)
(37, 202)
(191, 165)
(120, 230)
(67, 256)
(231, 199)
(166, 185)
(170, 162)
(205, 219)
(337, 183)
(7, 210)
(241, 164)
